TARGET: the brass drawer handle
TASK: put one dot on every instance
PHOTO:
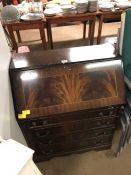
(48, 152)
(44, 122)
(98, 141)
(34, 123)
(50, 142)
(47, 132)
(51, 150)
(101, 114)
(96, 134)
(37, 134)
(108, 123)
(111, 113)
(99, 123)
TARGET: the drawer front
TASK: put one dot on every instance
(80, 115)
(55, 134)
(68, 138)
(38, 156)
(70, 127)
(61, 148)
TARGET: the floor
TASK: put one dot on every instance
(63, 36)
(89, 163)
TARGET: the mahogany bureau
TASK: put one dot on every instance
(67, 100)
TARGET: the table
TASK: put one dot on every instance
(26, 25)
(91, 17)
(100, 15)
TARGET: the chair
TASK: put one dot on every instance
(25, 25)
(3, 2)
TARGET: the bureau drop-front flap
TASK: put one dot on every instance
(67, 87)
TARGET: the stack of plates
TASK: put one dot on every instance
(49, 12)
(65, 2)
(123, 5)
(106, 6)
(50, 6)
(52, 9)
(92, 5)
(31, 16)
(81, 5)
(66, 9)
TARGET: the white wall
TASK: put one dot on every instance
(8, 126)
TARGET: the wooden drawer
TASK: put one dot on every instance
(74, 126)
(70, 127)
(80, 115)
(68, 138)
(61, 148)
(38, 157)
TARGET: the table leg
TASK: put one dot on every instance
(42, 34)
(84, 29)
(99, 29)
(18, 36)
(8, 37)
(12, 37)
(91, 31)
(49, 35)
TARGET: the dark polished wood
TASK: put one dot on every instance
(71, 98)
(25, 61)
(58, 84)
(25, 25)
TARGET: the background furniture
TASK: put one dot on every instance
(69, 100)
(49, 21)
(109, 15)
(25, 25)
(16, 159)
(84, 17)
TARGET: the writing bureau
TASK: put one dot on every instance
(67, 100)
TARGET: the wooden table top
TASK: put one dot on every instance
(97, 13)
(67, 16)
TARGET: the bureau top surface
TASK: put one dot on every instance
(61, 56)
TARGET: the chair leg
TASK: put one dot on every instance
(18, 36)
(12, 37)
(8, 38)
